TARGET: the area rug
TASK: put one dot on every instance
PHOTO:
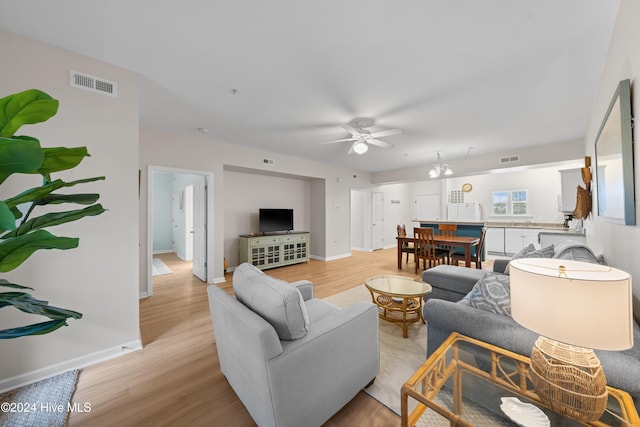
(400, 358)
(159, 268)
(45, 403)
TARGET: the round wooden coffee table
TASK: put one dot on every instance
(399, 299)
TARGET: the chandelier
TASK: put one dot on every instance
(440, 169)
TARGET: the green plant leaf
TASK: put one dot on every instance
(7, 218)
(37, 193)
(34, 329)
(4, 282)
(19, 155)
(80, 199)
(28, 304)
(15, 251)
(61, 158)
(55, 218)
(28, 107)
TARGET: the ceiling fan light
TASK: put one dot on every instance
(360, 147)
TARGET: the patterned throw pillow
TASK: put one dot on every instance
(490, 293)
(531, 252)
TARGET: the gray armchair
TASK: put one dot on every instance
(292, 359)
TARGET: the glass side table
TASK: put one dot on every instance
(465, 380)
(398, 298)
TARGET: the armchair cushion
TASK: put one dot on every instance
(276, 301)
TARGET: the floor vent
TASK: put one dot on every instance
(92, 83)
(509, 159)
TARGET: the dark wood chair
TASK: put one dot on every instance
(446, 231)
(476, 257)
(425, 248)
(407, 247)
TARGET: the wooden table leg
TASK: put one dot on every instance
(399, 254)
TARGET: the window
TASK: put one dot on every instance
(510, 202)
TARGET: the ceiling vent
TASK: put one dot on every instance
(92, 83)
(509, 159)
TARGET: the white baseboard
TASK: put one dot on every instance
(330, 258)
(167, 251)
(219, 280)
(142, 295)
(77, 363)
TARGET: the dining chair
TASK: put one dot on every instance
(446, 231)
(476, 255)
(407, 247)
(425, 248)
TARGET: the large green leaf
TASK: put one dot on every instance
(7, 218)
(28, 107)
(28, 304)
(4, 282)
(19, 155)
(34, 329)
(15, 251)
(61, 158)
(55, 218)
(80, 199)
(37, 193)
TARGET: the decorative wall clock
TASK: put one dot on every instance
(466, 187)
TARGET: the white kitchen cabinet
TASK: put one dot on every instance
(516, 239)
(494, 241)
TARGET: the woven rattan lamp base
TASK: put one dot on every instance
(569, 379)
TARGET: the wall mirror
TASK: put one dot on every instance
(614, 160)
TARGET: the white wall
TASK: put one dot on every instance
(245, 193)
(618, 242)
(100, 277)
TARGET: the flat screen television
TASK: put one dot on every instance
(272, 220)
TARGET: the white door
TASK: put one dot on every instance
(377, 221)
(200, 229)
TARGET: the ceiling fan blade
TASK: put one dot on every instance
(338, 140)
(381, 144)
(386, 133)
(353, 131)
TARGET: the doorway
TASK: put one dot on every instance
(177, 218)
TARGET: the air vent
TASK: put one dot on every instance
(267, 161)
(92, 83)
(510, 159)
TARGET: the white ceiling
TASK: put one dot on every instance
(452, 74)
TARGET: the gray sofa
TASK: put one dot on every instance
(449, 309)
(293, 360)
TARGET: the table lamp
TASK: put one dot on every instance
(575, 307)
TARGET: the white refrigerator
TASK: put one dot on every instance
(464, 212)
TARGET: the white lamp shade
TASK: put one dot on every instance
(588, 305)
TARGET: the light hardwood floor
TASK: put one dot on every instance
(175, 380)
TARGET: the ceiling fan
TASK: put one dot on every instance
(362, 137)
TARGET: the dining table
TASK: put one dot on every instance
(466, 242)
